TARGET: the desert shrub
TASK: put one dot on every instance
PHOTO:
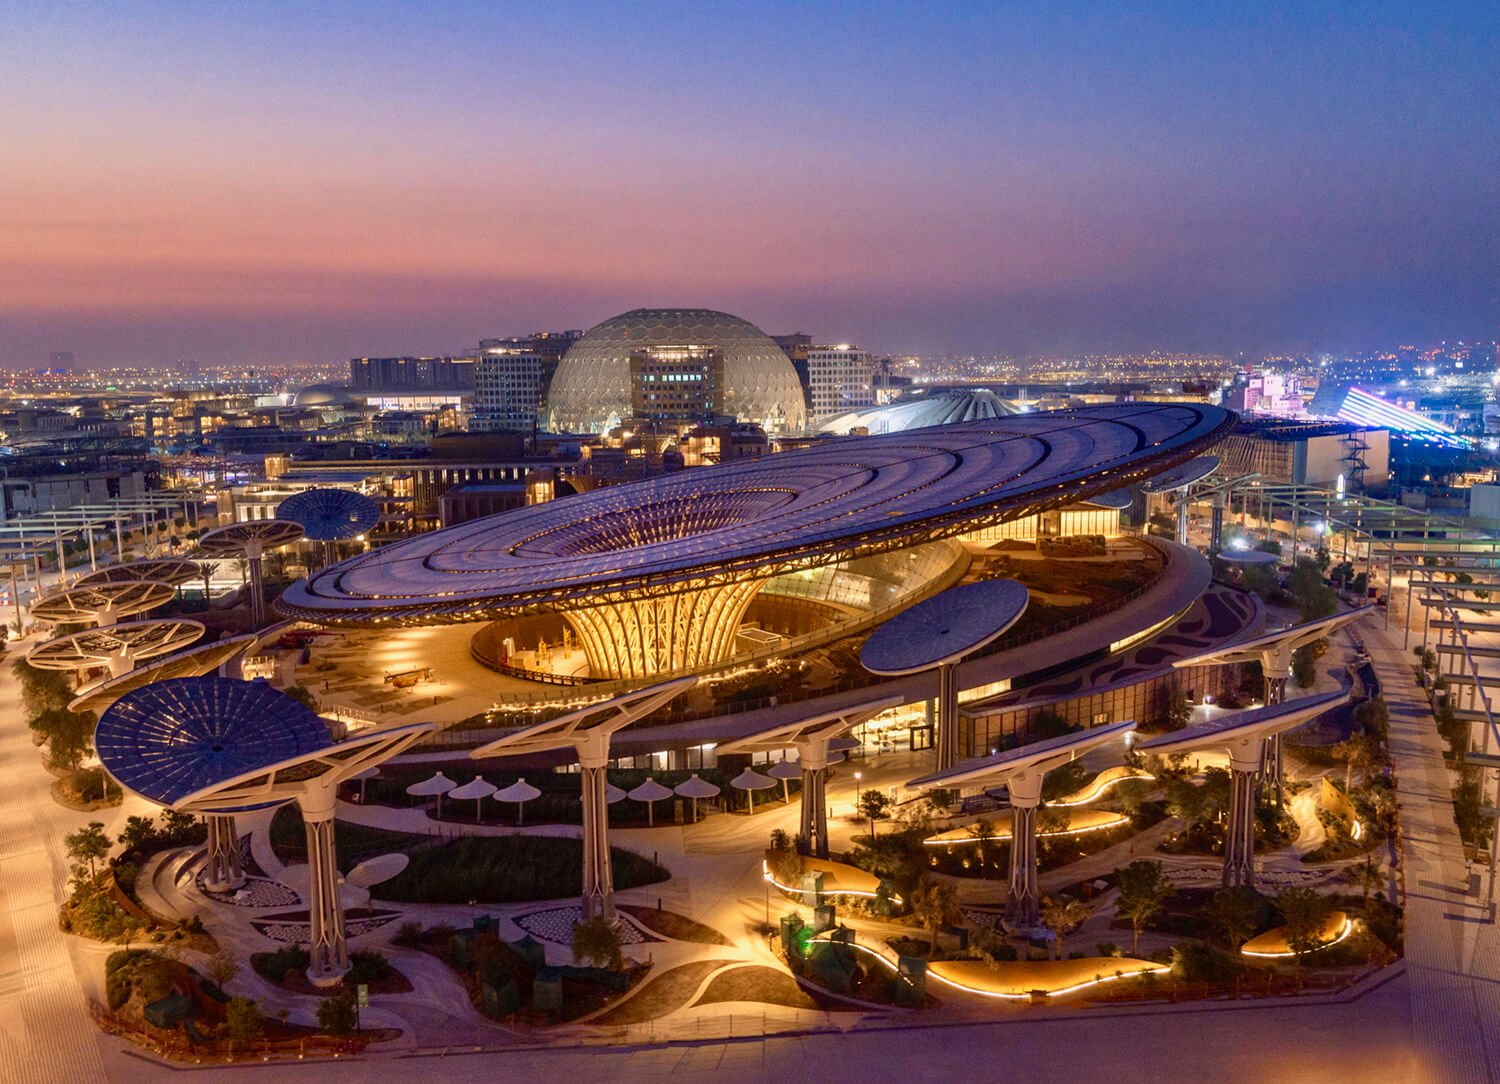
(274, 966)
(1198, 961)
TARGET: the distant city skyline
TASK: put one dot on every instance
(271, 185)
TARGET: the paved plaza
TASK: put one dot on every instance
(1426, 1020)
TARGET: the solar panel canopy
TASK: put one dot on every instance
(174, 738)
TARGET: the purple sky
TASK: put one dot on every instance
(275, 185)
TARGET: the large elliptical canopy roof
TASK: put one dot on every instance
(757, 518)
(591, 389)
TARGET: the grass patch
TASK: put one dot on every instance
(508, 869)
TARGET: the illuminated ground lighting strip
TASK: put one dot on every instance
(1100, 793)
(1040, 835)
(766, 873)
(1154, 969)
(1345, 932)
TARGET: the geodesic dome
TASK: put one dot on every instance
(590, 391)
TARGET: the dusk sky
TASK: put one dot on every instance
(269, 183)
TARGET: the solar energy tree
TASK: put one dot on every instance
(330, 516)
(251, 540)
(219, 747)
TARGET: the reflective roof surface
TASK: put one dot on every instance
(759, 517)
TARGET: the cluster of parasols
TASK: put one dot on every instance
(520, 792)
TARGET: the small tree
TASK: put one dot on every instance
(1368, 878)
(1374, 718)
(934, 904)
(243, 1022)
(874, 805)
(1144, 888)
(597, 940)
(1236, 912)
(1305, 912)
(339, 1013)
(1179, 710)
(1062, 915)
(138, 832)
(89, 845)
(222, 967)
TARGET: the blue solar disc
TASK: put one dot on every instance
(173, 738)
(330, 514)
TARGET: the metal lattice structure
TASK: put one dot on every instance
(102, 604)
(710, 531)
(116, 647)
(587, 732)
(193, 662)
(591, 389)
(1022, 771)
(1244, 735)
(170, 570)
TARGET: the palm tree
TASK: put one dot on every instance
(1062, 915)
(934, 904)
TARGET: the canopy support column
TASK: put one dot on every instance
(1239, 840)
(328, 947)
(1216, 528)
(1023, 904)
(1182, 520)
(224, 871)
(812, 839)
(1275, 671)
(257, 591)
(598, 877)
(945, 741)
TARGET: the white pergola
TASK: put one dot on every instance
(102, 604)
(1021, 771)
(588, 732)
(811, 737)
(116, 647)
(1244, 735)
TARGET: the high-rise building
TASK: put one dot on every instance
(839, 378)
(676, 384)
(795, 345)
(436, 373)
(508, 384)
